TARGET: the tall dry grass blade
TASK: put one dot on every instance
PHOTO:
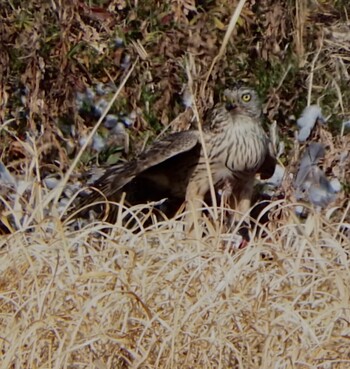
(227, 36)
(205, 152)
(90, 136)
(311, 76)
(300, 20)
(340, 102)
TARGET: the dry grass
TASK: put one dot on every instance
(152, 297)
(155, 299)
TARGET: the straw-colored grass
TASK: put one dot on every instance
(156, 299)
(108, 296)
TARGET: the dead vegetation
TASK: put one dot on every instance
(152, 298)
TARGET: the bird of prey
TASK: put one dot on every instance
(175, 168)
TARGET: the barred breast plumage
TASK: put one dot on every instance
(242, 145)
(238, 148)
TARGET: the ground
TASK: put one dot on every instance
(153, 298)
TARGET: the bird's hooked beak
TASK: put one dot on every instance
(230, 105)
(230, 101)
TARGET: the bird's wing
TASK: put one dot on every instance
(268, 166)
(116, 177)
(171, 145)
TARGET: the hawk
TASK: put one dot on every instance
(175, 167)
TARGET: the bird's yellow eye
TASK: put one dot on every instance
(246, 97)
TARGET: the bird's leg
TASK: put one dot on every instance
(241, 202)
(225, 192)
(244, 202)
(240, 199)
(194, 201)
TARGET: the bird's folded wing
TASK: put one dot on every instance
(268, 166)
(171, 145)
(116, 177)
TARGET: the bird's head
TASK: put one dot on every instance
(242, 100)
